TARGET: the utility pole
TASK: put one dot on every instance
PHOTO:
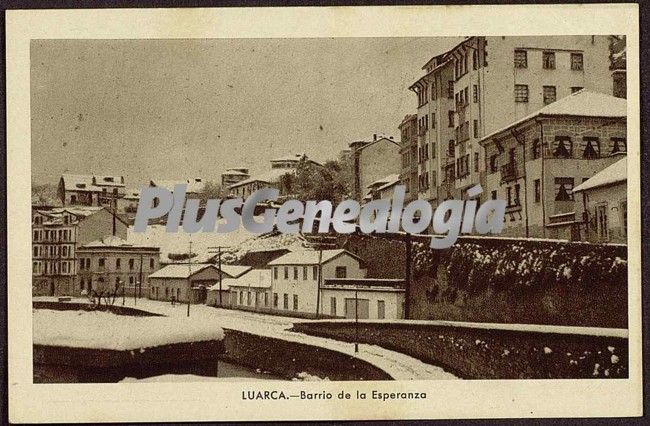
(136, 291)
(356, 318)
(189, 278)
(218, 253)
(407, 281)
(320, 274)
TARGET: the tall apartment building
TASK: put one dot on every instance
(491, 82)
(536, 162)
(409, 153)
(56, 235)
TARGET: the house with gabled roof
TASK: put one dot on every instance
(90, 190)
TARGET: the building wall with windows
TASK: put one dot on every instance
(409, 155)
(56, 235)
(295, 286)
(372, 161)
(499, 80)
(606, 213)
(536, 168)
(114, 265)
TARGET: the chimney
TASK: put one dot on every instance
(391, 138)
(374, 137)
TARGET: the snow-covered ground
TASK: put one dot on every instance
(399, 366)
(104, 330)
(227, 373)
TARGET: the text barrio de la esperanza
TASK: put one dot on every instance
(254, 395)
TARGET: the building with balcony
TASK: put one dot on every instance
(485, 83)
(111, 264)
(535, 162)
(409, 153)
(56, 235)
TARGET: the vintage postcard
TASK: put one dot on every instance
(336, 213)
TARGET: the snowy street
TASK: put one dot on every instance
(399, 366)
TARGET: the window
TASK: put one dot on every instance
(131, 280)
(286, 301)
(509, 192)
(521, 93)
(549, 94)
(575, 89)
(450, 89)
(451, 118)
(341, 272)
(304, 273)
(548, 60)
(563, 147)
(592, 147)
(275, 272)
(102, 262)
(450, 148)
(118, 263)
(381, 309)
(275, 300)
(474, 59)
(241, 297)
(286, 272)
(538, 191)
(295, 272)
(152, 264)
(433, 120)
(333, 306)
(563, 189)
(536, 149)
(131, 264)
(73, 199)
(521, 59)
(476, 160)
(618, 145)
(577, 62)
(295, 302)
(494, 167)
(314, 271)
(516, 201)
(266, 299)
(476, 128)
(475, 93)
(248, 298)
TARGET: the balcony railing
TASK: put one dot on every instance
(509, 171)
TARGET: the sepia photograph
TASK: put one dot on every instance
(381, 209)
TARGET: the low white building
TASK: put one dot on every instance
(295, 277)
(604, 204)
(219, 293)
(251, 290)
(374, 298)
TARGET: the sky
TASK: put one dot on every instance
(176, 109)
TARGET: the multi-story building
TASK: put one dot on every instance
(234, 175)
(90, 190)
(494, 81)
(56, 235)
(128, 203)
(373, 160)
(535, 162)
(409, 153)
(382, 189)
(194, 186)
(436, 138)
(113, 264)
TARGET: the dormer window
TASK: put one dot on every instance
(618, 145)
(108, 179)
(592, 148)
(80, 185)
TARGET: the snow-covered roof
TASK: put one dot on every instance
(272, 176)
(580, 104)
(235, 270)
(181, 271)
(113, 242)
(370, 143)
(195, 185)
(259, 278)
(610, 175)
(93, 183)
(385, 182)
(132, 194)
(309, 257)
(234, 172)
